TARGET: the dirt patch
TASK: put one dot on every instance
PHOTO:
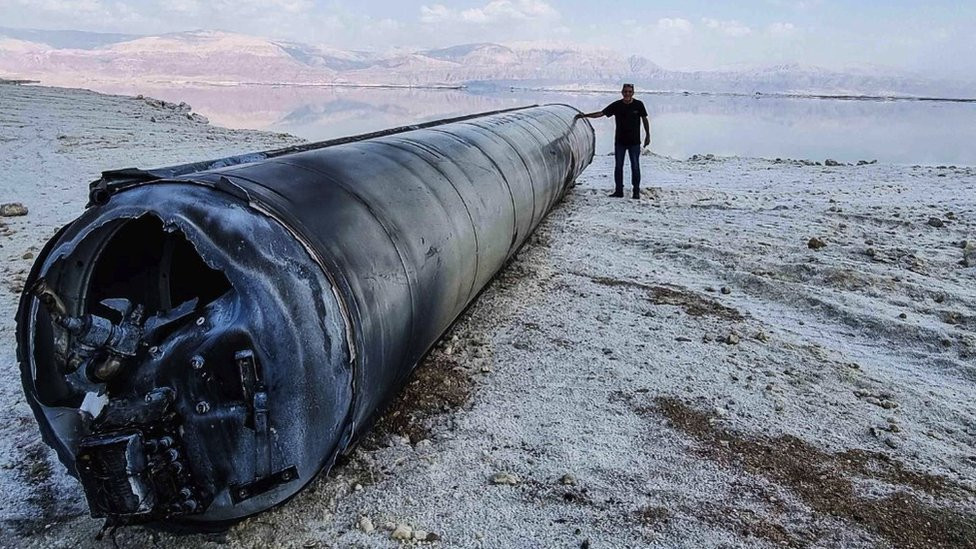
(653, 516)
(566, 494)
(653, 193)
(748, 524)
(438, 385)
(35, 470)
(825, 481)
(693, 304)
(847, 279)
(956, 318)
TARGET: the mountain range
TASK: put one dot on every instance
(214, 57)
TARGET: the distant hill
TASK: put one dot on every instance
(74, 58)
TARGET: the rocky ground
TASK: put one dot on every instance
(756, 353)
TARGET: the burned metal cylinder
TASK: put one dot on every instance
(205, 338)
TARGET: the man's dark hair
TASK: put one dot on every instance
(625, 86)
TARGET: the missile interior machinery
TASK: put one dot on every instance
(205, 338)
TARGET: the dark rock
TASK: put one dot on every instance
(505, 478)
(969, 255)
(12, 209)
(815, 243)
(935, 222)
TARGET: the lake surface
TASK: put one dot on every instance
(900, 132)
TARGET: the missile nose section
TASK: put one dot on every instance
(187, 359)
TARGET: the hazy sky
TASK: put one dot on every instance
(931, 37)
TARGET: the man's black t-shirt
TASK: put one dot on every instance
(627, 118)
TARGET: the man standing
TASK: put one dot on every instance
(628, 114)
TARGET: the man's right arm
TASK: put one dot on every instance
(597, 114)
(607, 111)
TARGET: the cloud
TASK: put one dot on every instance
(387, 24)
(292, 6)
(781, 29)
(798, 5)
(941, 35)
(270, 7)
(59, 6)
(435, 14)
(70, 14)
(675, 24)
(495, 11)
(731, 28)
(184, 6)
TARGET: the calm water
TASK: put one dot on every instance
(905, 132)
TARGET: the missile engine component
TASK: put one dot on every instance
(205, 338)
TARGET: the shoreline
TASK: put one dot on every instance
(760, 95)
(476, 86)
(697, 125)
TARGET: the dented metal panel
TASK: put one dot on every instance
(205, 338)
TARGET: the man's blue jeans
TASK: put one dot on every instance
(618, 167)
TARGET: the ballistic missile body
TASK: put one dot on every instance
(206, 338)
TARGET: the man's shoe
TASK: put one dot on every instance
(617, 194)
(636, 195)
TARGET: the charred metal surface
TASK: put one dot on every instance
(206, 338)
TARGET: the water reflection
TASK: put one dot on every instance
(892, 132)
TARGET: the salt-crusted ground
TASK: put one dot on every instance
(680, 371)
